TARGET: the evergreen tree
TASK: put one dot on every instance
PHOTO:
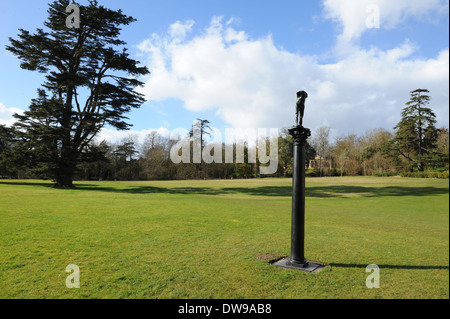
(13, 153)
(90, 83)
(199, 128)
(202, 128)
(416, 135)
(6, 143)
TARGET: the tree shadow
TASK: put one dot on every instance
(381, 266)
(342, 191)
(42, 184)
(151, 190)
(333, 191)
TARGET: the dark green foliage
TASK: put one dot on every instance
(202, 128)
(416, 135)
(13, 153)
(6, 139)
(286, 155)
(6, 144)
(90, 83)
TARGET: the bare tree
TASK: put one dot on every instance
(442, 143)
(321, 144)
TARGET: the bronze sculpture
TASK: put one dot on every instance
(301, 97)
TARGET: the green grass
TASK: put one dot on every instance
(213, 239)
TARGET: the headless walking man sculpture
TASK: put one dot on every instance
(301, 97)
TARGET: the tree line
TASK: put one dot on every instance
(377, 152)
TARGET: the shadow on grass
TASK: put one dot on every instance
(334, 191)
(388, 266)
(42, 184)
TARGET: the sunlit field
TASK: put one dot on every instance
(215, 239)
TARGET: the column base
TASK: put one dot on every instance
(307, 266)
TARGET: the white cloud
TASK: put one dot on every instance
(225, 70)
(179, 30)
(114, 136)
(6, 114)
(252, 83)
(356, 16)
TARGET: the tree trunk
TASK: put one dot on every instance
(66, 170)
(65, 178)
(420, 167)
(320, 166)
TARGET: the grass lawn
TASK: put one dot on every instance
(213, 239)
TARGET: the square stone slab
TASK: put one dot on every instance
(312, 267)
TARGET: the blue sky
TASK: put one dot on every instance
(357, 77)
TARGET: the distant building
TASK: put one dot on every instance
(319, 160)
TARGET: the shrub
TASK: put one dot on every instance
(443, 174)
(428, 174)
(312, 172)
(384, 174)
(335, 172)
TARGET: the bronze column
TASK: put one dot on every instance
(300, 135)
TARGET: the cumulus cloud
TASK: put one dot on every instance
(223, 69)
(114, 136)
(6, 114)
(252, 83)
(357, 16)
(179, 30)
